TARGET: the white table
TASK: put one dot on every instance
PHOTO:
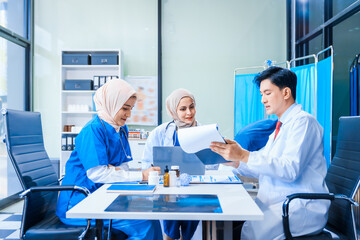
(236, 204)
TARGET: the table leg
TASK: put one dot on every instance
(209, 230)
(99, 225)
(109, 230)
(228, 230)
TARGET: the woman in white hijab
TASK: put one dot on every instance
(101, 155)
(180, 106)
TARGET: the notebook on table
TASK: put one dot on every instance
(131, 188)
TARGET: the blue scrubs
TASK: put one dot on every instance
(96, 145)
(172, 227)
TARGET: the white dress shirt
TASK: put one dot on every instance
(292, 163)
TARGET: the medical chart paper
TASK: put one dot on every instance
(198, 139)
(195, 139)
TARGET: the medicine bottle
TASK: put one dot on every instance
(176, 169)
(166, 177)
(153, 178)
(173, 179)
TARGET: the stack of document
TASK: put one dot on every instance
(215, 179)
(131, 188)
(198, 140)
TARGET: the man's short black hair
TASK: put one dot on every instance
(281, 77)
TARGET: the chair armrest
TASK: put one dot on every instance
(323, 196)
(25, 193)
(84, 191)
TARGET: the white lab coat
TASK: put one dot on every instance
(294, 162)
(160, 136)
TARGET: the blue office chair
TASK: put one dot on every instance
(343, 182)
(25, 146)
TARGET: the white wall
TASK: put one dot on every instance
(130, 25)
(203, 41)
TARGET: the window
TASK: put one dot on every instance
(316, 14)
(340, 27)
(15, 80)
(320, 24)
(346, 37)
(12, 16)
(339, 5)
(316, 44)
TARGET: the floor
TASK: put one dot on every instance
(10, 219)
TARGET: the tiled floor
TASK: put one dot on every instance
(10, 220)
(9, 225)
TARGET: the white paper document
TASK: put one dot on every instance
(215, 179)
(195, 139)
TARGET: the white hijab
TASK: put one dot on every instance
(110, 98)
(172, 102)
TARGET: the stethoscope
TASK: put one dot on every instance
(169, 125)
(176, 128)
(122, 145)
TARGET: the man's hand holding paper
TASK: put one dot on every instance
(231, 151)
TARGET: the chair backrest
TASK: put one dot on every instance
(343, 175)
(254, 136)
(25, 146)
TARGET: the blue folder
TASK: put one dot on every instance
(209, 157)
(131, 187)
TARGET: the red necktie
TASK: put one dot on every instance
(278, 125)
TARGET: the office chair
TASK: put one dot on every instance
(25, 146)
(343, 182)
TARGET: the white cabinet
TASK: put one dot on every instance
(77, 106)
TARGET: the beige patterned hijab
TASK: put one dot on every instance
(172, 102)
(110, 98)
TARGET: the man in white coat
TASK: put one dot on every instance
(292, 161)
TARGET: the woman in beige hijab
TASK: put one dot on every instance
(101, 154)
(180, 106)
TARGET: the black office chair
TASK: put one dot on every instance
(25, 146)
(343, 182)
